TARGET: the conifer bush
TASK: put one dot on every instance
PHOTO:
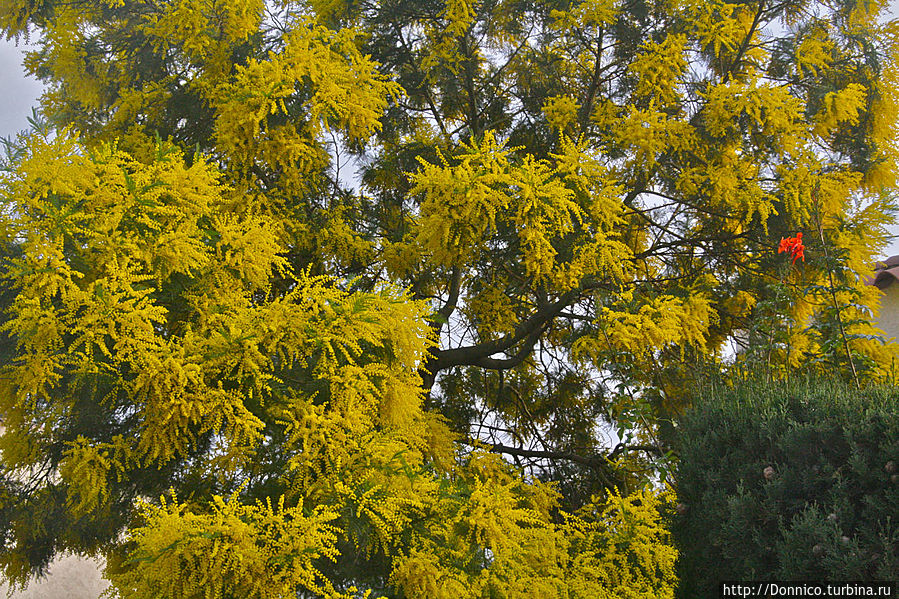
(788, 482)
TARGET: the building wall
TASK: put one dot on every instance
(888, 318)
(70, 577)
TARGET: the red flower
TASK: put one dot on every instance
(793, 246)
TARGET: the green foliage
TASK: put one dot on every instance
(793, 481)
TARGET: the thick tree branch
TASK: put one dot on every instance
(735, 63)
(528, 331)
(455, 286)
(526, 349)
(592, 461)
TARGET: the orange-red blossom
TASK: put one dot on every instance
(793, 246)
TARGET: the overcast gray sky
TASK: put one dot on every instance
(19, 93)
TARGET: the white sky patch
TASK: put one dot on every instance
(18, 93)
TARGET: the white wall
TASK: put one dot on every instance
(70, 577)
(888, 319)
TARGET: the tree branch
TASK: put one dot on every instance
(528, 331)
(594, 461)
(735, 63)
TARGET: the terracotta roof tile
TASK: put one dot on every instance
(885, 273)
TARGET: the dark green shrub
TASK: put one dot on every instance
(793, 482)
